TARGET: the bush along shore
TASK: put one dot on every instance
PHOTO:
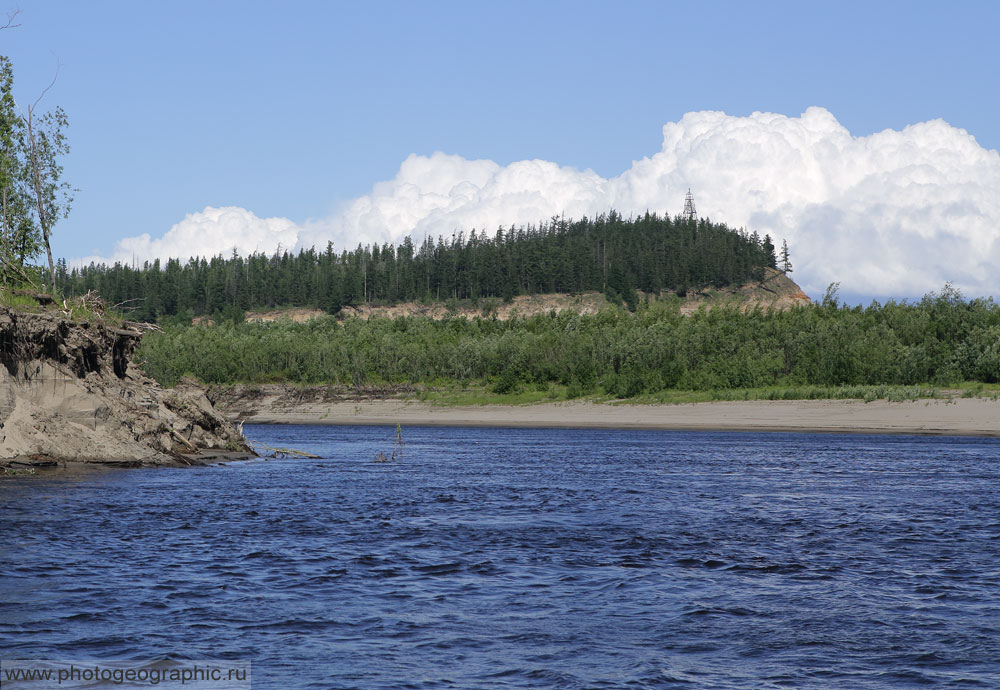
(899, 349)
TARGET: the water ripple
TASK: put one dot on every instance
(525, 559)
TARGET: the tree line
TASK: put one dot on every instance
(607, 253)
(941, 339)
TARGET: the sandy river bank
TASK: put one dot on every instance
(976, 417)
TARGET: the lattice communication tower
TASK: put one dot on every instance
(689, 212)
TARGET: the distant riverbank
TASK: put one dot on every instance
(961, 416)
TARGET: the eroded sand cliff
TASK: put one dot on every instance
(70, 392)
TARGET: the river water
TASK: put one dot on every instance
(499, 558)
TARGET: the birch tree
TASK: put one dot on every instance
(46, 145)
(33, 195)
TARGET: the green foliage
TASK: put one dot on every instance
(617, 256)
(20, 239)
(507, 382)
(878, 352)
(17, 302)
(33, 195)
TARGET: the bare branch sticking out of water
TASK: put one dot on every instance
(397, 448)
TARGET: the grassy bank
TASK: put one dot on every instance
(482, 395)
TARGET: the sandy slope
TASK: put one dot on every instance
(775, 291)
(961, 417)
(69, 392)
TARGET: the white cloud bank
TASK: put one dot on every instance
(892, 214)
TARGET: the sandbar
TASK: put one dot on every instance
(960, 416)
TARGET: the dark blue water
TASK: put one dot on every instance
(526, 558)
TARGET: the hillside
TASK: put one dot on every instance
(775, 291)
(609, 254)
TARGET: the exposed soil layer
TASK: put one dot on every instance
(242, 401)
(775, 291)
(70, 392)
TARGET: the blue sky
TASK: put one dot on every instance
(293, 110)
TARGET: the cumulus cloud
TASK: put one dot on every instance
(440, 194)
(895, 213)
(207, 233)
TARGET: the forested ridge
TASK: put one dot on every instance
(607, 253)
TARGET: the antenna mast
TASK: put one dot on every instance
(689, 213)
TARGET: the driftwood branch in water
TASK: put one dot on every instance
(271, 451)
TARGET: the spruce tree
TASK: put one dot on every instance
(786, 264)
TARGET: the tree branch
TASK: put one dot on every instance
(10, 20)
(52, 83)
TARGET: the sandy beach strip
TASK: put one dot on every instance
(966, 416)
